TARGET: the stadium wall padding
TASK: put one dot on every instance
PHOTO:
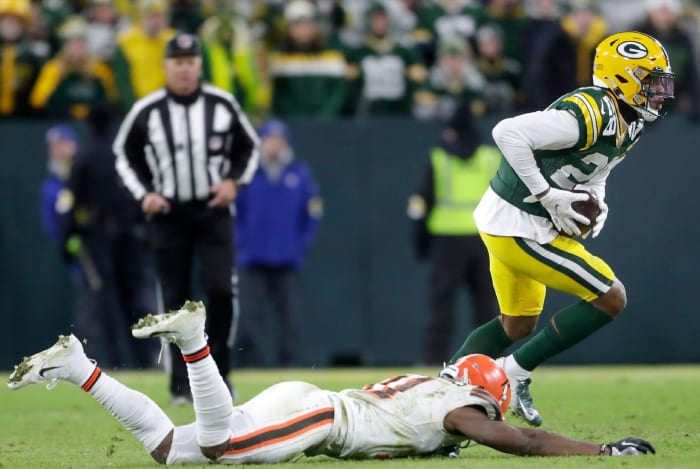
(364, 293)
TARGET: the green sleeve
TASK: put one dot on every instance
(336, 92)
(206, 65)
(122, 78)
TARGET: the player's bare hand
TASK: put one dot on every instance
(224, 192)
(154, 203)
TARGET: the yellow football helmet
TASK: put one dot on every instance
(636, 68)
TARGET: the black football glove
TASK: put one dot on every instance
(630, 446)
(450, 451)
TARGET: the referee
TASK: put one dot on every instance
(182, 151)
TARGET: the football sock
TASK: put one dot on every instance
(136, 411)
(82, 372)
(513, 370)
(192, 345)
(213, 406)
(566, 328)
(489, 339)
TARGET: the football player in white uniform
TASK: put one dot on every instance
(527, 221)
(407, 415)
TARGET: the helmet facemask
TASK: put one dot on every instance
(655, 88)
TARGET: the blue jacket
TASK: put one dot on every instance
(276, 221)
(51, 187)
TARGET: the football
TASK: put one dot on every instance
(589, 209)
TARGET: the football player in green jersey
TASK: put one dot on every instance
(526, 218)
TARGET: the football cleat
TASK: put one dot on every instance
(176, 326)
(65, 360)
(522, 404)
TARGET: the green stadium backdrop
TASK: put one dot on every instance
(365, 298)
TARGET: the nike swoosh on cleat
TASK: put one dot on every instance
(48, 368)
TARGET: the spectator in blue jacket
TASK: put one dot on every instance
(62, 144)
(276, 220)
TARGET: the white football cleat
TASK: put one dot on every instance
(176, 326)
(65, 360)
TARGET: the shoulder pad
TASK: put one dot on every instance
(593, 109)
(488, 402)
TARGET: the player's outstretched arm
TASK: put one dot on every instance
(475, 425)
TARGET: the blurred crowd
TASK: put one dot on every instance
(330, 58)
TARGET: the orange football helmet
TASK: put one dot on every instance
(483, 371)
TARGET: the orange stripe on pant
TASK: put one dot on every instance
(282, 432)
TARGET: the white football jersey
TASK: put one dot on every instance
(400, 416)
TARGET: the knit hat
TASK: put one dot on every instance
(298, 10)
(181, 45)
(453, 45)
(61, 132)
(152, 6)
(274, 127)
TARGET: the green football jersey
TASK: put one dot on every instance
(604, 139)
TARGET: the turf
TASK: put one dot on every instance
(65, 428)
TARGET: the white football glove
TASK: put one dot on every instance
(600, 220)
(558, 203)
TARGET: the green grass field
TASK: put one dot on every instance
(64, 428)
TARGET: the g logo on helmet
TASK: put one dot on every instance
(632, 50)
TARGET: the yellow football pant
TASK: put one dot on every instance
(521, 271)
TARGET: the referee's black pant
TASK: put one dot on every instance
(193, 230)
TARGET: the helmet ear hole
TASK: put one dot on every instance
(621, 79)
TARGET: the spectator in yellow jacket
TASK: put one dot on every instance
(19, 61)
(586, 27)
(140, 52)
(72, 81)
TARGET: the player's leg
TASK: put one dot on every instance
(563, 264)
(66, 361)
(520, 301)
(281, 423)
(212, 401)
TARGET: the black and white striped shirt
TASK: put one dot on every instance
(179, 146)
